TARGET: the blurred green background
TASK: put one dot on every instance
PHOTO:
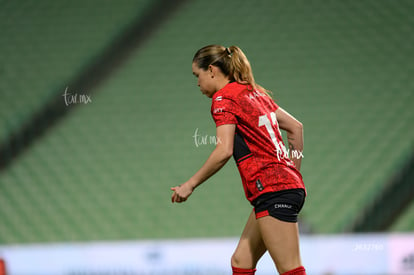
(104, 171)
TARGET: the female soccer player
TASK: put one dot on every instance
(247, 127)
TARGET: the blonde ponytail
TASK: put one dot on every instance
(242, 70)
(231, 61)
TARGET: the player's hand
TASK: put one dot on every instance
(181, 192)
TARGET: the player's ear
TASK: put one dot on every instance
(211, 70)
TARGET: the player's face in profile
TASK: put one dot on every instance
(205, 81)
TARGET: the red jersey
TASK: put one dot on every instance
(259, 151)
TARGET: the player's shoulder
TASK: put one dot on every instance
(241, 94)
(225, 93)
(232, 91)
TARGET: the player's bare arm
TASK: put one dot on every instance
(217, 159)
(294, 131)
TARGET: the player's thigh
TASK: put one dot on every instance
(250, 247)
(282, 241)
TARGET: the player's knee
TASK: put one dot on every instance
(242, 261)
(235, 260)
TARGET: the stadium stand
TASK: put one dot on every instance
(45, 44)
(104, 172)
(405, 223)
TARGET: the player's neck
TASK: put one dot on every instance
(222, 83)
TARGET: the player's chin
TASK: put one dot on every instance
(207, 94)
(203, 92)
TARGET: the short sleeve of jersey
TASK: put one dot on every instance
(277, 106)
(223, 111)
